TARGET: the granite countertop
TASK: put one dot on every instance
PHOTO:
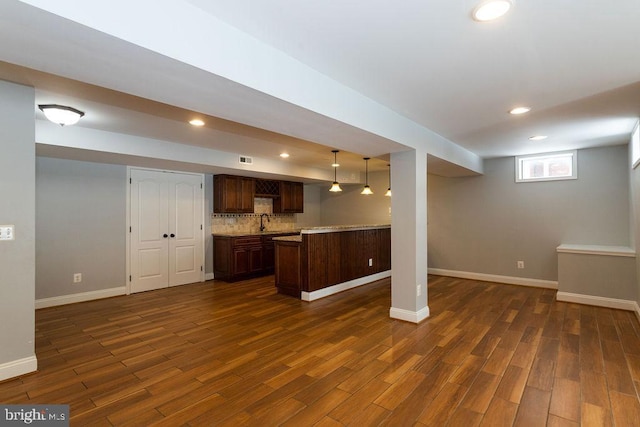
(256, 233)
(306, 230)
(337, 228)
(297, 239)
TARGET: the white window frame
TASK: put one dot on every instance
(574, 166)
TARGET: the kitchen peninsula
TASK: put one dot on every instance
(322, 261)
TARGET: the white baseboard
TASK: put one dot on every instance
(80, 297)
(340, 287)
(18, 367)
(208, 276)
(409, 316)
(620, 304)
(522, 281)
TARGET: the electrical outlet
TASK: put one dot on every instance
(7, 232)
(520, 264)
(370, 262)
(77, 278)
(418, 290)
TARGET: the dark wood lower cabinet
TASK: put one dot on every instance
(247, 260)
(288, 272)
(236, 258)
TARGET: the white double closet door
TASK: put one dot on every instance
(166, 229)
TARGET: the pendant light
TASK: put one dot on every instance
(335, 187)
(366, 190)
(388, 193)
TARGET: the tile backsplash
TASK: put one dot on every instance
(249, 223)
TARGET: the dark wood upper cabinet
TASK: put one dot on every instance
(233, 194)
(291, 198)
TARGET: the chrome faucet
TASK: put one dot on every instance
(262, 227)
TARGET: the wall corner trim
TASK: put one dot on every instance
(18, 367)
(597, 301)
(80, 297)
(509, 280)
(409, 316)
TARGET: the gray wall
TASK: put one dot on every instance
(597, 275)
(17, 207)
(485, 224)
(351, 207)
(634, 197)
(81, 226)
(311, 215)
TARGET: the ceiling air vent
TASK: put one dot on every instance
(246, 160)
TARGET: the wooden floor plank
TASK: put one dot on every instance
(625, 408)
(438, 411)
(565, 399)
(241, 354)
(501, 413)
(534, 408)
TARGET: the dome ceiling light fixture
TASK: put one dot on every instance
(490, 10)
(538, 137)
(61, 114)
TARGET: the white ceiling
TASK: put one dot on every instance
(429, 61)
(575, 63)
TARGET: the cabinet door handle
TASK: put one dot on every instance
(173, 235)
(165, 235)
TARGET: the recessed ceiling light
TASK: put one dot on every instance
(520, 110)
(196, 122)
(284, 155)
(538, 137)
(490, 10)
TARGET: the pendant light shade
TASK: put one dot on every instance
(388, 193)
(366, 190)
(61, 114)
(335, 187)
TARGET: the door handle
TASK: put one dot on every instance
(165, 235)
(173, 235)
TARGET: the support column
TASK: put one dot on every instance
(17, 208)
(409, 236)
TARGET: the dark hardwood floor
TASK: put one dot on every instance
(240, 354)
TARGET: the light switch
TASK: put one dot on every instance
(7, 232)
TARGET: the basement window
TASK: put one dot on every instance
(547, 167)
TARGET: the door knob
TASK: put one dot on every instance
(165, 235)
(173, 235)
